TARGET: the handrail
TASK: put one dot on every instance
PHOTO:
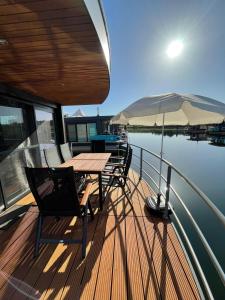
(206, 200)
(192, 185)
(207, 288)
(203, 239)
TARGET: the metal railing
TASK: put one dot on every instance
(207, 201)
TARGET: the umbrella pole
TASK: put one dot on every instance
(157, 203)
(160, 167)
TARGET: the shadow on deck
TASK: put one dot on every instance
(130, 255)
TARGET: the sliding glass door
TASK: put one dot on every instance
(14, 138)
(25, 130)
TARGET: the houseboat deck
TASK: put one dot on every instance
(130, 255)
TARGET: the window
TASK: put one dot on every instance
(14, 138)
(91, 130)
(71, 129)
(20, 145)
(12, 127)
(45, 131)
(84, 131)
(81, 133)
(45, 127)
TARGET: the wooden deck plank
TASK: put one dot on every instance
(176, 272)
(179, 276)
(9, 236)
(71, 255)
(134, 276)
(137, 187)
(73, 286)
(186, 278)
(166, 286)
(150, 283)
(136, 211)
(22, 271)
(130, 255)
(103, 286)
(109, 207)
(28, 199)
(88, 284)
(119, 278)
(15, 253)
(51, 280)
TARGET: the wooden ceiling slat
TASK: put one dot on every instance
(73, 56)
(53, 51)
(39, 6)
(57, 44)
(55, 22)
(65, 37)
(52, 74)
(36, 54)
(19, 69)
(42, 16)
(92, 48)
(11, 2)
(48, 29)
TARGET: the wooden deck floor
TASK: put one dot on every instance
(130, 255)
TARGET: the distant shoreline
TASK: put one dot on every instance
(155, 129)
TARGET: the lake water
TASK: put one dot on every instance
(203, 164)
(200, 161)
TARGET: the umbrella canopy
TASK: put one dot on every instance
(170, 109)
(177, 109)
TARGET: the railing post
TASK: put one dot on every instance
(141, 162)
(168, 180)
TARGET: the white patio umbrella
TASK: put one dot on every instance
(171, 109)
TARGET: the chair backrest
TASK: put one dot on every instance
(98, 146)
(52, 157)
(128, 162)
(126, 154)
(54, 191)
(65, 151)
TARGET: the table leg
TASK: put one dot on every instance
(100, 191)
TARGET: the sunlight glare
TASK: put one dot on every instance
(174, 49)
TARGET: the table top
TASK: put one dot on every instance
(86, 165)
(92, 156)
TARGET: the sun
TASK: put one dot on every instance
(175, 48)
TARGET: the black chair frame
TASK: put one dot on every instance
(80, 209)
(119, 177)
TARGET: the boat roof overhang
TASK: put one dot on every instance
(55, 49)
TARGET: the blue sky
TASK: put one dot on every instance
(140, 32)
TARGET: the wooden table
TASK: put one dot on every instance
(94, 156)
(90, 163)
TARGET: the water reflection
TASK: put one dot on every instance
(192, 135)
(196, 155)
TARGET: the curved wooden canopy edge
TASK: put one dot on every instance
(52, 51)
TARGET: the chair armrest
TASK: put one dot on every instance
(86, 194)
(113, 175)
(117, 157)
(116, 164)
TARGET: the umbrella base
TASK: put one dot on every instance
(157, 210)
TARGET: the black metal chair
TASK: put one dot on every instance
(65, 151)
(98, 146)
(118, 177)
(52, 157)
(56, 195)
(119, 160)
(53, 160)
(122, 153)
